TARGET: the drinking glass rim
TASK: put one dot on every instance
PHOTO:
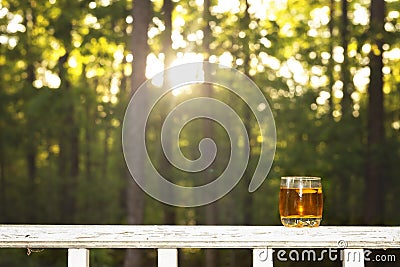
(304, 178)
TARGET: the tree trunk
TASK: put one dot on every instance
(345, 75)
(3, 203)
(211, 213)
(31, 130)
(31, 154)
(248, 198)
(344, 180)
(165, 166)
(32, 170)
(69, 148)
(141, 14)
(89, 138)
(375, 175)
(167, 40)
(248, 203)
(106, 152)
(331, 63)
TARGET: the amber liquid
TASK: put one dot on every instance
(300, 207)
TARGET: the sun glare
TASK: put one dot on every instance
(361, 15)
(232, 6)
(15, 24)
(361, 78)
(263, 9)
(196, 74)
(155, 65)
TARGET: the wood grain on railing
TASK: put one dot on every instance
(167, 239)
(154, 236)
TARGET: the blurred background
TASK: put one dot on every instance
(330, 70)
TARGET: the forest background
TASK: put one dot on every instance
(330, 70)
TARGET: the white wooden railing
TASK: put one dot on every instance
(263, 240)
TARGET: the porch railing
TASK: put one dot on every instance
(263, 240)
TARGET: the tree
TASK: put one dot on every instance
(165, 166)
(375, 171)
(66, 77)
(345, 75)
(141, 14)
(211, 212)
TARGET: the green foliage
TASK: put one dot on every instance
(64, 85)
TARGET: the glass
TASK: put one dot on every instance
(300, 201)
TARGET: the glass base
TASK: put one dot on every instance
(300, 222)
